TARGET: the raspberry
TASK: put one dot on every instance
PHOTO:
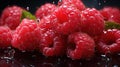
(26, 36)
(68, 18)
(109, 42)
(5, 36)
(48, 22)
(52, 44)
(80, 46)
(92, 22)
(111, 14)
(11, 16)
(78, 3)
(45, 10)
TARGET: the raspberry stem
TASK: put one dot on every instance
(111, 25)
(26, 14)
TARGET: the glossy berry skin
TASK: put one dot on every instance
(109, 42)
(52, 44)
(92, 22)
(26, 36)
(68, 18)
(11, 16)
(5, 36)
(111, 14)
(48, 22)
(77, 3)
(45, 10)
(80, 46)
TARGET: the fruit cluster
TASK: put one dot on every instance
(69, 28)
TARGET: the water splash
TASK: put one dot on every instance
(31, 65)
(9, 55)
(34, 56)
(27, 8)
(53, 2)
(115, 66)
(23, 51)
(103, 55)
(119, 54)
(99, 4)
(104, 1)
(98, 63)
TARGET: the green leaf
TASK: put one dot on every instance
(112, 25)
(26, 14)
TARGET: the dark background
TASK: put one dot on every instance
(34, 4)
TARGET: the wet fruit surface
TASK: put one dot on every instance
(11, 57)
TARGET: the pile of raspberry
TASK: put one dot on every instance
(68, 29)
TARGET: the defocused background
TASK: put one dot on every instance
(34, 4)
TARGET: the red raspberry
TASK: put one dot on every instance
(109, 42)
(26, 36)
(52, 44)
(78, 3)
(48, 22)
(80, 46)
(111, 14)
(68, 18)
(92, 22)
(5, 36)
(45, 10)
(11, 16)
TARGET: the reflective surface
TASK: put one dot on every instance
(13, 58)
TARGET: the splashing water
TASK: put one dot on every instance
(28, 8)
(9, 55)
(53, 2)
(115, 66)
(99, 4)
(32, 66)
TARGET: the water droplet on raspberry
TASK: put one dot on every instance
(59, 2)
(38, 20)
